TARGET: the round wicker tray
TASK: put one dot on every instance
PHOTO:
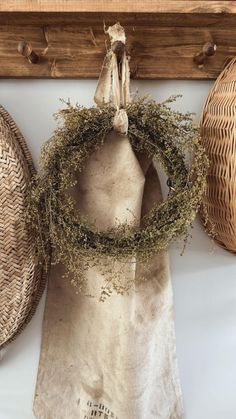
(21, 282)
(218, 130)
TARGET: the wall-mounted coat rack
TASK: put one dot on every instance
(166, 39)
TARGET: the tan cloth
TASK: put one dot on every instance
(114, 359)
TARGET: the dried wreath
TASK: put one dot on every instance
(154, 128)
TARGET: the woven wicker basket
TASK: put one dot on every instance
(21, 282)
(218, 130)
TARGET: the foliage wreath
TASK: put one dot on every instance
(154, 128)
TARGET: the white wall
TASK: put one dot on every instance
(204, 278)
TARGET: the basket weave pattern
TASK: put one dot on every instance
(21, 282)
(218, 130)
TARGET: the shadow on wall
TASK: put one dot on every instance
(160, 90)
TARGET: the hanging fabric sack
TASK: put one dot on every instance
(117, 358)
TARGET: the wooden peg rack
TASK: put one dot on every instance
(66, 39)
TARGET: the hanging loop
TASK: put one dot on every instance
(109, 89)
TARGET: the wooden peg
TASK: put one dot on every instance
(118, 48)
(208, 50)
(25, 49)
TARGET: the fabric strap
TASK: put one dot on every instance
(109, 89)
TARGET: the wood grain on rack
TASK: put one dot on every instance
(128, 6)
(162, 37)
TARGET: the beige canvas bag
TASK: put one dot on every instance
(112, 359)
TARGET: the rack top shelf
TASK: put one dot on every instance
(163, 37)
(119, 6)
